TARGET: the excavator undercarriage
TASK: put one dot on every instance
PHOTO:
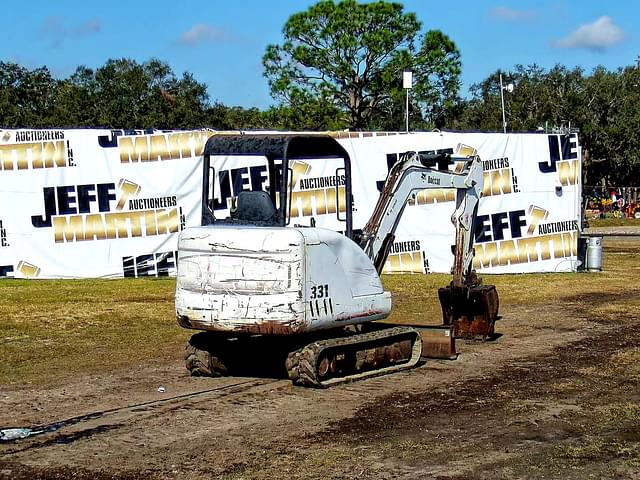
(312, 360)
(336, 360)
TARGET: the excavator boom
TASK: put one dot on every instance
(415, 172)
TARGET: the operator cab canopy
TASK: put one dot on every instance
(263, 202)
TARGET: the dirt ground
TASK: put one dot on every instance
(556, 396)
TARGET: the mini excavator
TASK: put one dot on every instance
(253, 274)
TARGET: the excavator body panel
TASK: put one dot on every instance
(270, 280)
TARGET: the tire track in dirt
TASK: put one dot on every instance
(492, 425)
(83, 426)
(528, 376)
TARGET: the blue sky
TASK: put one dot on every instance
(222, 42)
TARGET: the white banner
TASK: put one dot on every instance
(529, 214)
(96, 203)
(102, 203)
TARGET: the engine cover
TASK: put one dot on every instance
(270, 280)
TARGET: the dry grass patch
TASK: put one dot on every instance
(519, 407)
(59, 328)
(619, 414)
(570, 386)
(624, 366)
(334, 462)
(614, 222)
(596, 449)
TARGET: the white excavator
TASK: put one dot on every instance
(312, 292)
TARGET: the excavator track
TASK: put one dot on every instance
(327, 362)
(205, 356)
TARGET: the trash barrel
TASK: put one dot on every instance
(594, 254)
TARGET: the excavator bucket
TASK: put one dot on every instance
(472, 311)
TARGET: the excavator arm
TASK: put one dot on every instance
(469, 306)
(413, 173)
(463, 219)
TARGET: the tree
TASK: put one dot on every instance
(126, 94)
(76, 100)
(221, 117)
(349, 57)
(604, 106)
(307, 114)
(437, 67)
(26, 96)
(610, 125)
(540, 97)
(186, 102)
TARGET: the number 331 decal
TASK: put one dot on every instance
(320, 300)
(319, 291)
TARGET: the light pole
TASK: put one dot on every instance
(407, 83)
(508, 88)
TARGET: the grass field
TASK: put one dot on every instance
(58, 328)
(556, 396)
(52, 329)
(614, 222)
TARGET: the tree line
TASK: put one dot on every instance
(340, 66)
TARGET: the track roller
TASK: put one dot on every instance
(330, 361)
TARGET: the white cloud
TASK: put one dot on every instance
(598, 35)
(203, 32)
(511, 14)
(87, 28)
(56, 30)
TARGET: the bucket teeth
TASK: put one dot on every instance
(472, 311)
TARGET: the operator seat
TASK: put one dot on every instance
(254, 207)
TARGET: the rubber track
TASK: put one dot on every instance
(200, 361)
(302, 363)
